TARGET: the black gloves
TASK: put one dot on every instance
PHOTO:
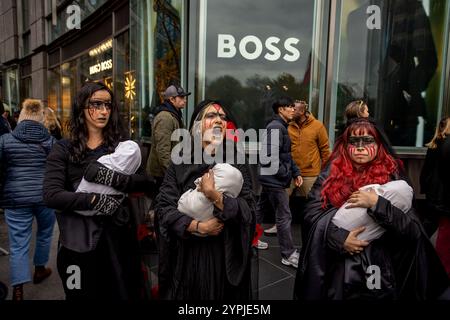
(98, 173)
(106, 204)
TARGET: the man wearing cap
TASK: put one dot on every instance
(168, 118)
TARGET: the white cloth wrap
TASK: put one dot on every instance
(227, 179)
(398, 192)
(125, 159)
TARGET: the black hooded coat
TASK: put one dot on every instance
(409, 267)
(204, 268)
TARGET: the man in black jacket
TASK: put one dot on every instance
(274, 186)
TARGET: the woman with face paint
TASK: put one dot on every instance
(334, 263)
(216, 264)
(98, 255)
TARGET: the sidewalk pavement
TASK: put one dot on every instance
(276, 281)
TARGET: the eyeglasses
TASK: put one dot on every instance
(361, 140)
(213, 115)
(98, 105)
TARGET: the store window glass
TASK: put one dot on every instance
(65, 16)
(156, 46)
(252, 52)
(54, 91)
(97, 64)
(397, 67)
(26, 88)
(125, 83)
(68, 89)
(11, 94)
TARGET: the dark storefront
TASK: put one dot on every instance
(392, 53)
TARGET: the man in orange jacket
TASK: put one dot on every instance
(310, 149)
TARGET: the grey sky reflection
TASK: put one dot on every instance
(262, 18)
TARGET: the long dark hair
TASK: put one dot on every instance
(113, 132)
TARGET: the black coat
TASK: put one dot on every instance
(286, 167)
(204, 268)
(62, 177)
(410, 268)
(434, 178)
(23, 155)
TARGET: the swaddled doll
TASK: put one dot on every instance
(398, 192)
(194, 203)
(125, 159)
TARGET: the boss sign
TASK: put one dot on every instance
(226, 48)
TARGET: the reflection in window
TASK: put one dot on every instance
(11, 97)
(254, 53)
(156, 49)
(68, 89)
(53, 96)
(396, 69)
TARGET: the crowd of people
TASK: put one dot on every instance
(358, 210)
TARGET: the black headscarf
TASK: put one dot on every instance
(202, 104)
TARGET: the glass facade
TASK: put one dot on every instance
(107, 62)
(66, 18)
(249, 54)
(158, 29)
(398, 67)
(390, 53)
(11, 96)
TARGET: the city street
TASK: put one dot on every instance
(276, 281)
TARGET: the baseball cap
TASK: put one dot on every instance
(175, 91)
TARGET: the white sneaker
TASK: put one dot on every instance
(271, 231)
(292, 260)
(262, 245)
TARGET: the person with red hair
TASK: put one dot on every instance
(334, 263)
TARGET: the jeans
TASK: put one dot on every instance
(278, 200)
(20, 222)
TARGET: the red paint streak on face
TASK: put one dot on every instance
(351, 150)
(371, 149)
(217, 107)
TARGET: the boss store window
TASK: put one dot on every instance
(97, 64)
(250, 53)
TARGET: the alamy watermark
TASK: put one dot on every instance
(73, 281)
(374, 277)
(73, 20)
(190, 149)
(374, 20)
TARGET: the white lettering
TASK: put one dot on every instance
(74, 19)
(101, 66)
(74, 280)
(374, 21)
(374, 280)
(243, 47)
(275, 53)
(225, 46)
(288, 45)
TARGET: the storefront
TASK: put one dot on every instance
(392, 53)
(99, 52)
(328, 52)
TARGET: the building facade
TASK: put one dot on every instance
(394, 54)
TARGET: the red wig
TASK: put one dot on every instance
(344, 178)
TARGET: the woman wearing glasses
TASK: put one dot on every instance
(338, 263)
(205, 259)
(98, 257)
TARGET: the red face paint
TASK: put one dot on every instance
(362, 148)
